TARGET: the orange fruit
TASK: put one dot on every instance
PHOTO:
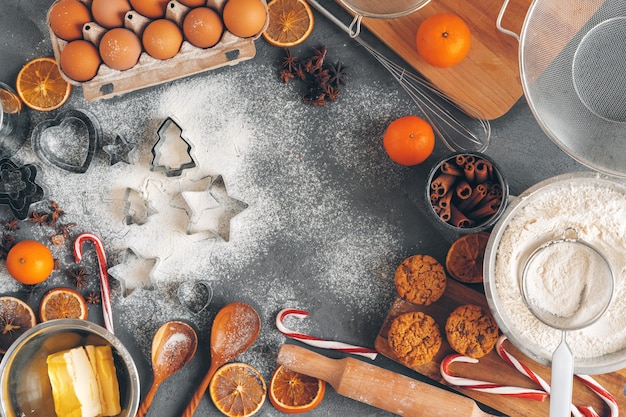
(464, 260)
(30, 262)
(15, 318)
(292, 392)
(63, 303)
(238, 390)
(41, 86)
(291, 22)
(409, 140)
(443, 40)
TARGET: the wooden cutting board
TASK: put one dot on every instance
(488, 78)
(491, 367)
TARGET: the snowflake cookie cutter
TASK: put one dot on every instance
(69, 141)
(171, 154)
(212, 209)
(134, 272)
(18, 188)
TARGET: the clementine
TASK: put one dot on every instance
(293, 393)
(30, 262)
(409, 140)
(443, 40)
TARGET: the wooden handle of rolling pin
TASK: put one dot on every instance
(379, 387)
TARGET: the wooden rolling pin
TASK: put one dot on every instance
(379, 387)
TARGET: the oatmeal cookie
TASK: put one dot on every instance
(414, 338)
(420, 279)
(471, 331)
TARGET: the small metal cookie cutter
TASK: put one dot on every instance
(172, 152)
(195, 295)
(18, 188)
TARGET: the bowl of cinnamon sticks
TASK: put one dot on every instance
(467, 192)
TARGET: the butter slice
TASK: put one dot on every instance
(84, 382)
(101, 358)
(74, 385)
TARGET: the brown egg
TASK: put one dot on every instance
(67, 17)
(203, 27)
(162, 39)
(120, 48)
(193, 3)
(110, 13)
(80, 60)
(150, 8)
(244, 18)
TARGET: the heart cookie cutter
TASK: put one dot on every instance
(195, 295)
(69, 141)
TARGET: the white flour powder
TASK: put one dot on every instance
(597, 212)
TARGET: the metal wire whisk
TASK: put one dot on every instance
(460, 130)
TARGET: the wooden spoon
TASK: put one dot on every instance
(235, 328)
(173, 346)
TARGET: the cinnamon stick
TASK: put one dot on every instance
(484, 210)
(452, 169)
(459, 219)
(442, 184)
(482, 170)
(478, 193)
(463, 190)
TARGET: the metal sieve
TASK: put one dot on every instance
(592, 275)
(572, 65)
(389, 9)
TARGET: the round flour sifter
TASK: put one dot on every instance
(568, 285)
(460, 130)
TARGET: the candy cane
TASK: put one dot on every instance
(483, 386)
(104, 276)
(582, 411)
(316, 341)
(606, 396)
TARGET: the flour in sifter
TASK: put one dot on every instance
(597, 210)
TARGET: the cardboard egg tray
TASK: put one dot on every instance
(107, 83)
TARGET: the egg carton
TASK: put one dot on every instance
(149, 71)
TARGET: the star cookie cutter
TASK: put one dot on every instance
(118, 151)
(195, 295)
(69, 141)
(171, 154)
(212, 209)
(134, 272)
(18, 188)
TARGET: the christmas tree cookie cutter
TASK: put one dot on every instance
(171, 154)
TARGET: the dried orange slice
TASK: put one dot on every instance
(290, 22)
(11, 103)
(63, 303)
(41, 86)
(464, 260)
(15, 318)
(238, 390)
(292, 392)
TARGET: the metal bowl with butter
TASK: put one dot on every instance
(24, 381)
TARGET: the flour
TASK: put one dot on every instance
(597, 212)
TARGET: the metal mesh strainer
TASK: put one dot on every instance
(573, 70)
(388, 9)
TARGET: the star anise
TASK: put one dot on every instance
(64, 229)
(290, 61)
(332, 93)
(318, 57)
(286, 75)
(338, 74)
(39, 219)
(11, 225)
(7, 240)
(80, 277)
(93, 298)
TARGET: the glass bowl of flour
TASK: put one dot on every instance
(595, 206)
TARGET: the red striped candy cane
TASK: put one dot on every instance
(316, 341)
(484, 386)
(104, 276)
